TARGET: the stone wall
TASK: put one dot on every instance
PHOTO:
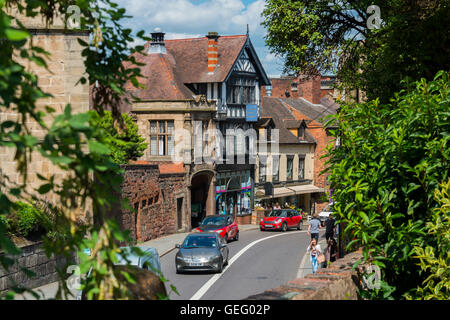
(34, 259)
(65, 67)
(337, 282)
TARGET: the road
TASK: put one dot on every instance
(258, 261)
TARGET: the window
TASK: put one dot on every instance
(275, 168)
(262, 169)
(289, 167)
(301, 167)
(161, 138)
(241, 90)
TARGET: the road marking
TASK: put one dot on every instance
(201, 292)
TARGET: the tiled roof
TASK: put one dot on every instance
(168, 168)
(275, 108)
(310, 110)
(186, 61)
(191, 56)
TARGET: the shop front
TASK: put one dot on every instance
(234, 193)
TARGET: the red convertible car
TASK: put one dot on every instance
(221, 224)
(281, 219)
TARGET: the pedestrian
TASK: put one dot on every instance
(314, 227)
(314, 251)
(330, 227)
(332, 251)
(277, 206)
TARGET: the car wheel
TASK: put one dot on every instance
(299, 227)
(261, 229)
(225, 238)
(220, 268)
(284, 227)
(236, 237)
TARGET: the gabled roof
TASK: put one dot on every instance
(312, 111)
(274, 108)
(185, 62)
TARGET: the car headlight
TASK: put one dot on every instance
(218, 231)
(278, 221)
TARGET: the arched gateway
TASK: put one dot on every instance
(202, 196)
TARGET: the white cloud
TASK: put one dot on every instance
(195, 18)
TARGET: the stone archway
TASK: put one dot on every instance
(202, 196)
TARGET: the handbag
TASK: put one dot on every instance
(321, 258)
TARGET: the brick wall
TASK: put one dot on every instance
(337, 282)
(154, 197)
(308, 88)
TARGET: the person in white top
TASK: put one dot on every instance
(314, 251)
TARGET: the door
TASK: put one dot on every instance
(291, 218)
(179, 213)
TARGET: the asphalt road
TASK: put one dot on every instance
(258, 261)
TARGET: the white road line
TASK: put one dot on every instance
(201, 292)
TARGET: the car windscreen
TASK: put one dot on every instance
(214, 221)
(200, 242)
(278, 213)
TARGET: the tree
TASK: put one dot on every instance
(316, 36)
(70, 142)
(386, 174)
(124, 141)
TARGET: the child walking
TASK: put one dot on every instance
(314, 251)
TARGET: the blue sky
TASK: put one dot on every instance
(195, 18)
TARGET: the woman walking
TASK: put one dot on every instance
(314, 252)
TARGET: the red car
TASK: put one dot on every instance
(281, 219)
(221, 224)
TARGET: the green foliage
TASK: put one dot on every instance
(25, 219)
(326, 35)
(124, 141)
(70, 142)
(434, 259)
(385, 173)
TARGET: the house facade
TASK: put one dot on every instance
(308, 101)
(197, 93)
(288, 168)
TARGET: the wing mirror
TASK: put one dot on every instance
(177, 246)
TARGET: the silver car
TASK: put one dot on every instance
(149, 260)
(202, 252)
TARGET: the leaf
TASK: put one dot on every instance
(45, 188)
(98, 147)
(16, 35)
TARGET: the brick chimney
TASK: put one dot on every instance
(310, 88)
(213, 51)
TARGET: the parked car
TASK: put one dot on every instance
(205, 251)
(325, 213)
(224, 225)
(149, 260)
(281, 219)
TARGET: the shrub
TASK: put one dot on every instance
(391, 160)
(25, 220)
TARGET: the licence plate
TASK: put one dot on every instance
(196, 264)
(268, 226)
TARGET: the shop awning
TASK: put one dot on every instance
(289, 191)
